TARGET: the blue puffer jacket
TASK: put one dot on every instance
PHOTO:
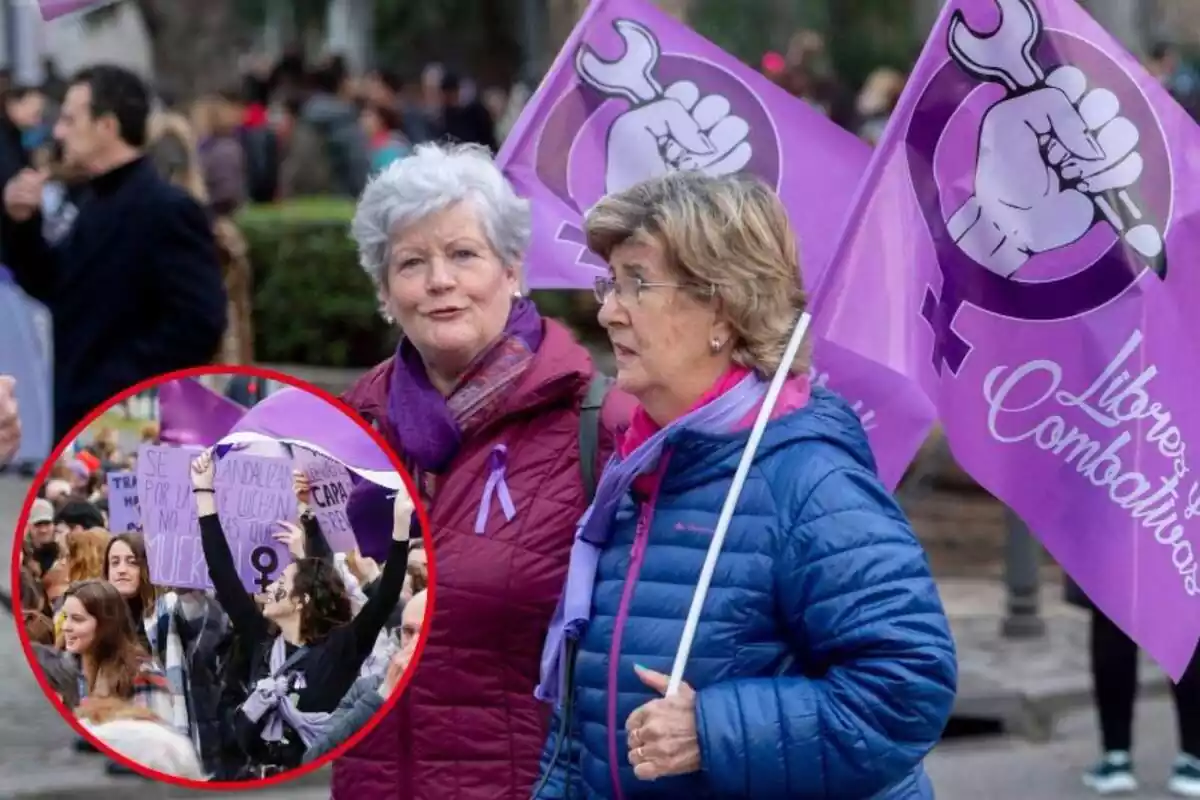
(823, 663)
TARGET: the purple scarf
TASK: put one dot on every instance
(574, 610)
(430, 427)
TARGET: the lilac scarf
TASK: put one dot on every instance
(270, 699)
(428, 428)
(574, 610)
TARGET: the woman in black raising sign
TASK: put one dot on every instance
(306, 649)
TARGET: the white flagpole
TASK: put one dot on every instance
(735, 491)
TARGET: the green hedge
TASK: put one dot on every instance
(314, 305)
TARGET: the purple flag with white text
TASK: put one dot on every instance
(1023, 249)
(630, 76)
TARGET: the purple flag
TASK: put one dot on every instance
(629, 72)
(193, 414)
(53, 9)
(296, 417)
(1022, 250)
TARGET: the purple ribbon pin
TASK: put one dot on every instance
(497, 462)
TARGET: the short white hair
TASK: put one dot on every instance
(433, 178)
(152, 745)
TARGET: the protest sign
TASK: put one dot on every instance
(124, 513)
(629, 70)
(253, 493)
(331, 486)
(27, 354)
(169, 522)
(1010, 249)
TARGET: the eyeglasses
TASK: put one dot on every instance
(630, 289)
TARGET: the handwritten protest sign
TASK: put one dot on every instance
(331, 485)
(252, 492)
(124, 512)
(164, 490)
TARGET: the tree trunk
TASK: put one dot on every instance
(194, 46)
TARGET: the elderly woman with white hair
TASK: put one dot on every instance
(500, 417)
(823, 665)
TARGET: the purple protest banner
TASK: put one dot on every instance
(124, 513)
(330, 486)
(253, 494)
(194, 414)
(629, 70)
(299, 418)
(53, 9)
(1010, 249)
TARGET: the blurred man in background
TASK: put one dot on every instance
(136, 289)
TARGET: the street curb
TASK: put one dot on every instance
(89, 783)
(1031, 715)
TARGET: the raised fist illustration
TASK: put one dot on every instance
(679, 130)
(1044, 156)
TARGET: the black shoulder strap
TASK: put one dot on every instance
(589, 430)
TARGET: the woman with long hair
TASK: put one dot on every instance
(98, 631)
(127, 568)
(305, 648)
(186, 632)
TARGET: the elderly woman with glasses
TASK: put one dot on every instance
(823, 665)
(484, 401)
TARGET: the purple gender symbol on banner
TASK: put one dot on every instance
(573, 110)
(966, 281)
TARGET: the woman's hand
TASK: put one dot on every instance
(292, 537)
(662, 734)
(302, 488)
(203, 471)
(402, 514)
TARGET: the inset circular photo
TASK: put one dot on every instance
(223, 580)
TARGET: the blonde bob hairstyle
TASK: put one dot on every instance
(726, 238)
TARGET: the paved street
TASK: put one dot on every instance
(1012, 770)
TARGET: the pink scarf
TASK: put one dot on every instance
(795, 394)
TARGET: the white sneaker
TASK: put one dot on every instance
(1113, 775)
(1185, 777)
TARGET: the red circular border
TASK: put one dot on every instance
(431, 589)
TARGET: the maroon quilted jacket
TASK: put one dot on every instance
(468, 725)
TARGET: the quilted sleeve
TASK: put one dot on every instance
(856, 593)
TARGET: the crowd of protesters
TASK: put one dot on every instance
(180, 680)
